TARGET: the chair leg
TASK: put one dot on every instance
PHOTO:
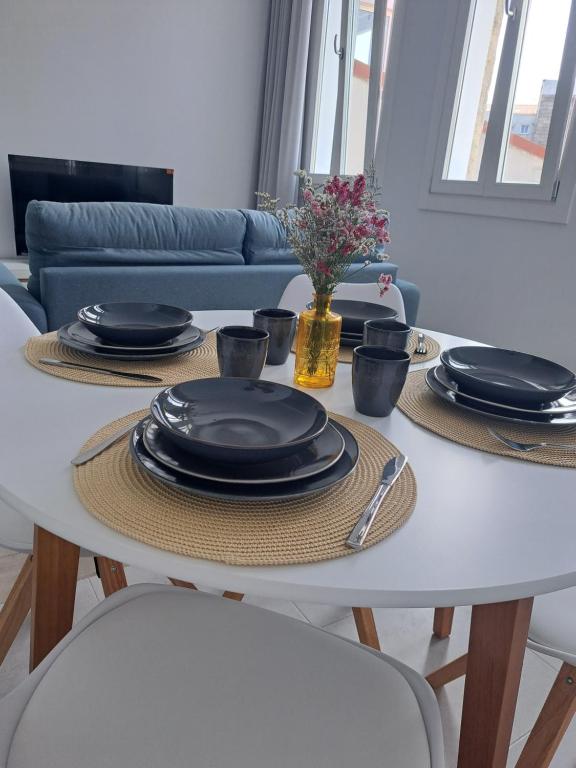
(451, 671)
(233, 595)
(180, 583)
(552, 722)
(16, 608)
(443, 618)
(111, 575)
(366, 627)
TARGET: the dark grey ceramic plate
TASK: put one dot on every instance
(314, 458)
(91, 349)
(351, 339)
(232, 492)
(355, 313)
(563, 405)
(78, 332)
(135, 322)
(494, 411)
(238, 420)
(507, 377)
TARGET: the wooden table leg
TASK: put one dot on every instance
(449, 672)
(498, 634)
(111, 574)
(366, 627)
(54, 574)
(233, 595)
(443, 618)
(15, 608)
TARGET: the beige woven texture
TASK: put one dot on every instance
(200, 363)
(421, 405)
(120, 494)
(433, 350)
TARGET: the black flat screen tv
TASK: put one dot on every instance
(77, 181)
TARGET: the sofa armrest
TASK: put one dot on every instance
(27, 303)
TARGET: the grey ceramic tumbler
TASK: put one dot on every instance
(281, 326)
(241, 351)
(378, 375)
(387, 333)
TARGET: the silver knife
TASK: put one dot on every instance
(390, 474)
(85, 456)
(124, 374)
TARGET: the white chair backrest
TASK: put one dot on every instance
(299, 291)
(15, 325)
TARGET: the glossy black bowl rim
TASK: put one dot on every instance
(88, 321)
(447, 364)
(306, 439)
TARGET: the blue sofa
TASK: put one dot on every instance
(81, 253)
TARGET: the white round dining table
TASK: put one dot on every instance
(487, 531)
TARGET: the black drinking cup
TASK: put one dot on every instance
(281, 326)
(378, 375)
(386, 333)
(241, 351)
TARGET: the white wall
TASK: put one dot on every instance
(169, 83)
(501, 281)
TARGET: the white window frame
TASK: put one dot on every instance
(550, 200)
(345, 42)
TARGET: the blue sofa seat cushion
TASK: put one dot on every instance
(102, 234)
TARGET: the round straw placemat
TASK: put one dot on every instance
(433, 350)
(200, 363)
(425, 408)
(120, 494)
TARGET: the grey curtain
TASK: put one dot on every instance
(287, 72)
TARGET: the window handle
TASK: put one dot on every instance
(338, 51)
(508, 10)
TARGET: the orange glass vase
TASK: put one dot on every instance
(317, 344)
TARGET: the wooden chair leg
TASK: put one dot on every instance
(233, 595)
(443, 618)
(180, 583)
(111, 574)
(451, 671)
(552, 722)
(366, 627)
(15, 608)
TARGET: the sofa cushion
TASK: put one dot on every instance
(106, 234)
(265, 240)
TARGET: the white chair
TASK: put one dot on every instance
(16, 532)
(160, 676)
(553, 633)
(299, 292)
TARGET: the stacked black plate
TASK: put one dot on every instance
(355, 314)
(507, 385)
(242, 439)
(132, 331)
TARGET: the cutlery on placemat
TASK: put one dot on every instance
(81, 366)
(421, 348)
(527, 447)
(390, 474)
(90, 453)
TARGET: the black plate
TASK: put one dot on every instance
(79, 333)
(232, 492)
(235, 419)
(496, 411)
(563, 405)
(319, 455)
(135, 322)
(355, 313)
(504, 376)
(91, 349)
(351, 339)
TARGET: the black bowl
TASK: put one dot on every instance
(135, 323)
(355, 313)
(505, 376)
(235, 419)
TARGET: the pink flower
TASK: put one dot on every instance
(384, 282)
(322, 267)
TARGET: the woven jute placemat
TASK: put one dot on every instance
(421, 405)
(124, 497)
(200, 363)
(346, 354)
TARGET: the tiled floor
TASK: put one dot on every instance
(404, 633)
